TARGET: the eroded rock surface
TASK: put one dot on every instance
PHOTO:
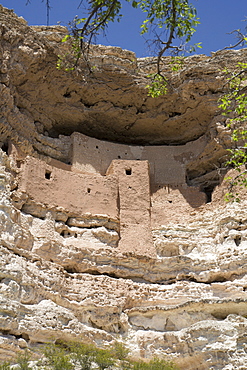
(65, 274)
(70, 282)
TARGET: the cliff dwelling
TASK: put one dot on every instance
(139, 186)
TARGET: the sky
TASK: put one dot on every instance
(217, 17)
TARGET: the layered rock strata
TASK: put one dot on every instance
(90, 252)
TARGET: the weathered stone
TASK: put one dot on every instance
(94, 247)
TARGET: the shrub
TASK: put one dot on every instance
(58, 358)
(79, 356)
(23, 360)
(82, 355)
(5, 366)
(119, 351)
(103, 358)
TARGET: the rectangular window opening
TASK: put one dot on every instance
(47, 174)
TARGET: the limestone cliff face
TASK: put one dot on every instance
(103, 234)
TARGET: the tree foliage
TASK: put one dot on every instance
(234, 107)
(171, 24)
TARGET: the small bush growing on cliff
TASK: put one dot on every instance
(79, 356)
(82, 355)
(23, 360)
(103, 358)
(85, 357)
(5, 366)
(58, 357)
(119, 351)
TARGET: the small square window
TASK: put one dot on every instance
(48, 174)
(128, 171)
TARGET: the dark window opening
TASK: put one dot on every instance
(174, 114)
(48, 174)
(170, 201)
(128, 171)
(237, 240)
(18, 164)
(5, 148)
(119, 156)
(88, 190)
(65, 234)
(208, 190)
(97, 147)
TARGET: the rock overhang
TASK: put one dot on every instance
(111, 103)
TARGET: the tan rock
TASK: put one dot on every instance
(104, 237)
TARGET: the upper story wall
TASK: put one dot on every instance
(167, 163)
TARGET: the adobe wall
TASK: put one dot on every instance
(167, 163)
(76, 193)
(134, 206)
(123, 193)
(175, 204)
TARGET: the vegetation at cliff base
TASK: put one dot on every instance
(79, 356)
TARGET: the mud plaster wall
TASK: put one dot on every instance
(77, 194)
(167, 163)
(124, 193)
(171, 197)
(134, 206)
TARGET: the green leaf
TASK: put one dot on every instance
(66, 38)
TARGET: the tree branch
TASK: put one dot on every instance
(168, 43)
(241, 39)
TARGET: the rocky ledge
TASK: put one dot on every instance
(64, 277)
